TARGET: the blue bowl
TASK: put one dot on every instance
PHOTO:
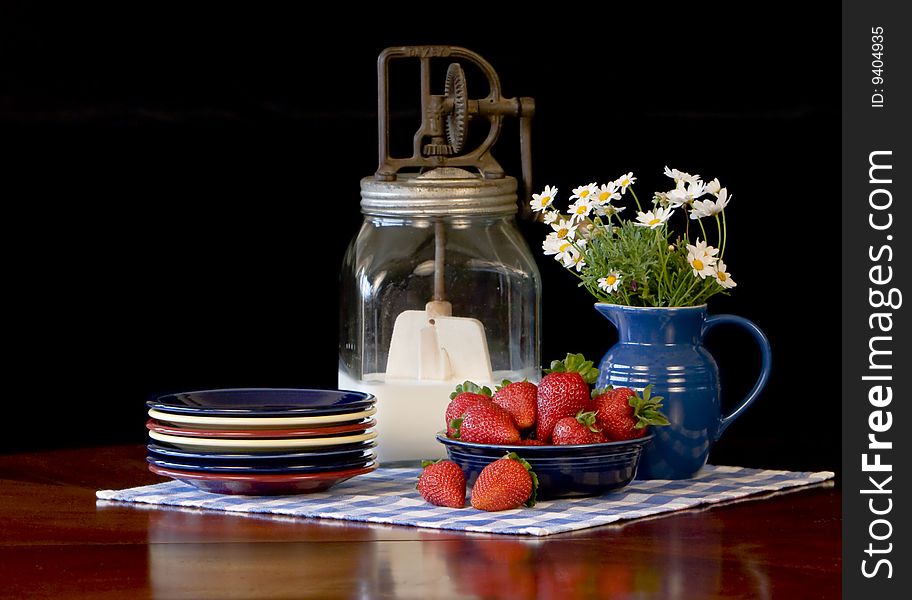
(263, 402)
(563, 471)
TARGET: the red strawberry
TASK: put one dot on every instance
(466, 395)
(519, 399)
(563, 392)
(442, 483)
(625, 415)
(580, 429)
(506, 483)
(486, 423)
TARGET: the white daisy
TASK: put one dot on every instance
(551, 216)
(607, 192)
(580, 209)
(584, 192)
(610, 283)
(624, 181)
(676, 197)
(713, 187)
(653, 218)
(722, 276)
(708, 208)
(604, 194)
(681, 176)
(564, 228)
(552, 244)
(575, 260)
(684, 193)
(702, 259)
(542, 202)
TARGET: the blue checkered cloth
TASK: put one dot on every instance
(389, 496)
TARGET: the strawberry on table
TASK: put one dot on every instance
(485, 423)
(563, 392)
(625, 415)
(580, 429)
(465, 395)
(519, 399)
(442, 483)
(504, 484)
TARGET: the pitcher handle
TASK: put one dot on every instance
(766, 353)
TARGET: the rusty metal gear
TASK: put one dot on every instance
(457, 121)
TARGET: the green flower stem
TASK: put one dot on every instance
(680, 301)
(703, 229)
(637, 200)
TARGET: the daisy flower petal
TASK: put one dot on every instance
(542, 202)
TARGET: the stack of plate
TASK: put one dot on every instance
(262, 441)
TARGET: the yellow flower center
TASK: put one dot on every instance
(610, 280)
(625, 182)
(603, 197)
(655, 222)
(545, 200)
(580, 210)
(584, 194)
(562, 233)
(564, 246)
(697, 264)
(721, 275)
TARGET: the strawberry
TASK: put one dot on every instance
(506, 483)
(580, 429)
(466, 395)
(563, 392)
(625, 415)
(442, 483)
(519, 399)
(485, 423)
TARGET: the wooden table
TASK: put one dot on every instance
(57, 541)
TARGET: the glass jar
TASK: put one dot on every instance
(438, 255)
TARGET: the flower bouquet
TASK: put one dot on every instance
(641, 261)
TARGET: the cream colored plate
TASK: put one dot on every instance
(205, 444)
(257, 422)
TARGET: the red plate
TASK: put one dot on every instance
(262, 485)
(254, 434)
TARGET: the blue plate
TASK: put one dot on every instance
(341, 452)
(263, 402)
(563, 471)
(259, 468)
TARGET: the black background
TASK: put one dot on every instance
(181, 185)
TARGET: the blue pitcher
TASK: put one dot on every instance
(664, 347)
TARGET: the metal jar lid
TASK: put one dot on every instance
(440, 192)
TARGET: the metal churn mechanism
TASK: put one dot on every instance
(439, 286)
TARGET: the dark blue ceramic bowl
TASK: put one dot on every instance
(263, 402)
(563, 471)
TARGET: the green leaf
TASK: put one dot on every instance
(588, 419)
(456, 424)
(646, 409)
(575, 363)
(472, 387)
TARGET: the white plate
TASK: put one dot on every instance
(188, 443)
(257, 422)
